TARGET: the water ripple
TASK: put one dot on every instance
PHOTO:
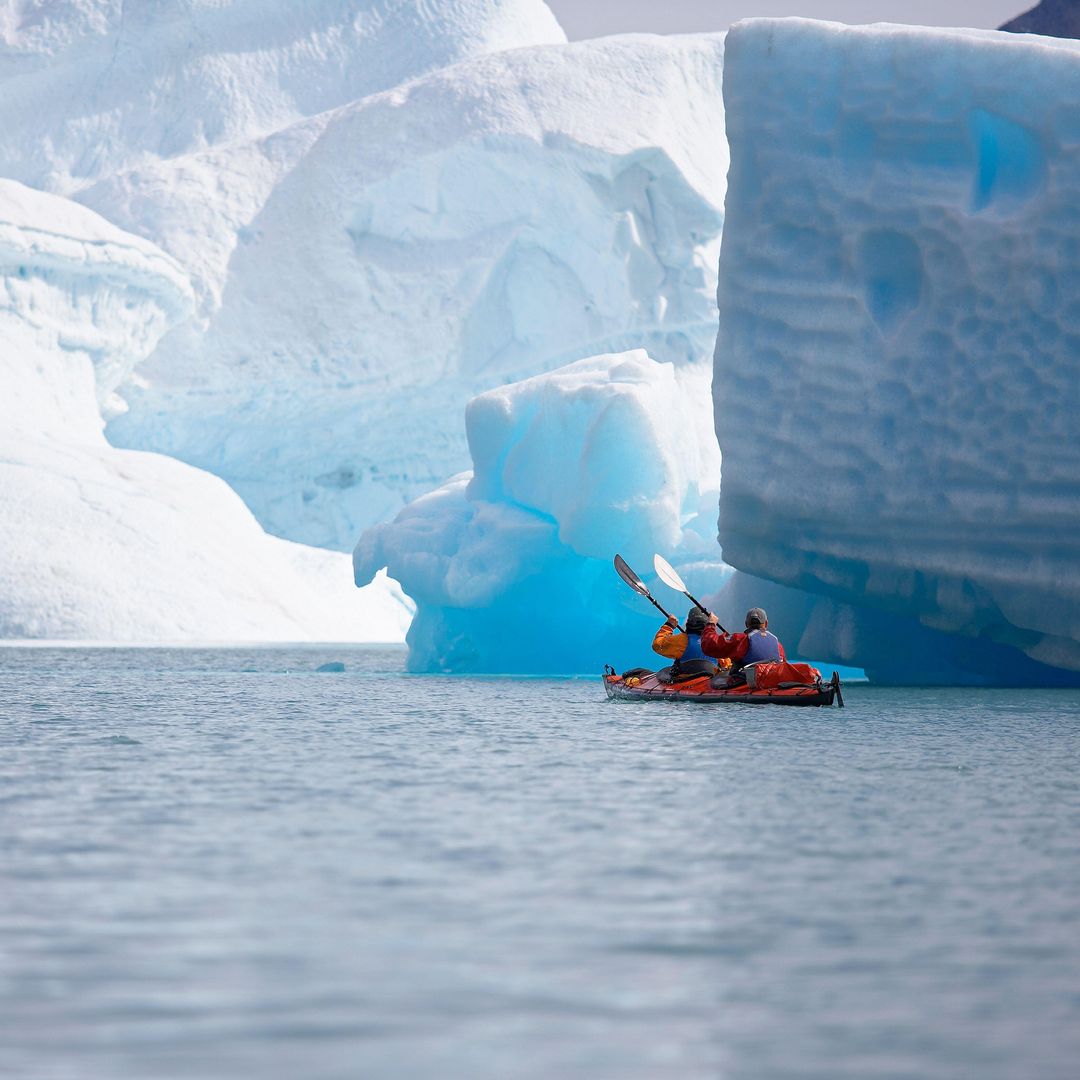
(227, 867)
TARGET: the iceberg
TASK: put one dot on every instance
(363, 273)
(120, 545)
(510, 564)
(899, 344)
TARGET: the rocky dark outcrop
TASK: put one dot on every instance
(1051, 18)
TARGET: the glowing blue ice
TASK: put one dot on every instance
(510, 566)
(900, 336)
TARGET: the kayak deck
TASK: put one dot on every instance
(701, 691)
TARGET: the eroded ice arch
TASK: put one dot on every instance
(900, 329)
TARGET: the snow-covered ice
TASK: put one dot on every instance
(384, 207)
(510, 565)
(91, 89)
(900, 331)
(363, 273)
(107, 544)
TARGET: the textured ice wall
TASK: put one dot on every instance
(107, 544)
(510, 565)
(118, 84)
(176, 119)
(900, 328)
(478, 225)
(893, 649)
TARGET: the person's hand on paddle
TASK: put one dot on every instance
(672, 621)
(666, 573)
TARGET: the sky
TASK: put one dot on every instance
(594, 18)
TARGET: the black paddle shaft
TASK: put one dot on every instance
(678, 625)
(701, 607)
(635, 583)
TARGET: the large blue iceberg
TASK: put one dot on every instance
(900, 331)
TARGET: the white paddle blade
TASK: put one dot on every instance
(666, 573)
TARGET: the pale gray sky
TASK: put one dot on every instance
(594, 18)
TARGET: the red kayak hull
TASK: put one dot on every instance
(701, 691)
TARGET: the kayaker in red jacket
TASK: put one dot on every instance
(752, 647)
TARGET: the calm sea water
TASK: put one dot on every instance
(222, 863)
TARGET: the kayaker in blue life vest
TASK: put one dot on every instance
(682, 647)
(758, 644)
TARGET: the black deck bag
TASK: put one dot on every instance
(691, 669)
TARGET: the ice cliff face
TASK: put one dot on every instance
(510, 565)
(382, 214)
(900, 332)
(109, 544)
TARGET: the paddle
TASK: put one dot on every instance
(666, 572)
(638, 586)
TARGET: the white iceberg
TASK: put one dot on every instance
(363, 273)
(121, 545)
(899, 329)
(511, 565)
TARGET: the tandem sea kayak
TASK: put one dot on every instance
(713, 690)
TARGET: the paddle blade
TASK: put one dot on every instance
(666, 573)
(629, 576)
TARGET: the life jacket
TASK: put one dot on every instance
(763, 646)
(693, 649)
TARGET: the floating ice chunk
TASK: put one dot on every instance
(510, 566)
(899, 333)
